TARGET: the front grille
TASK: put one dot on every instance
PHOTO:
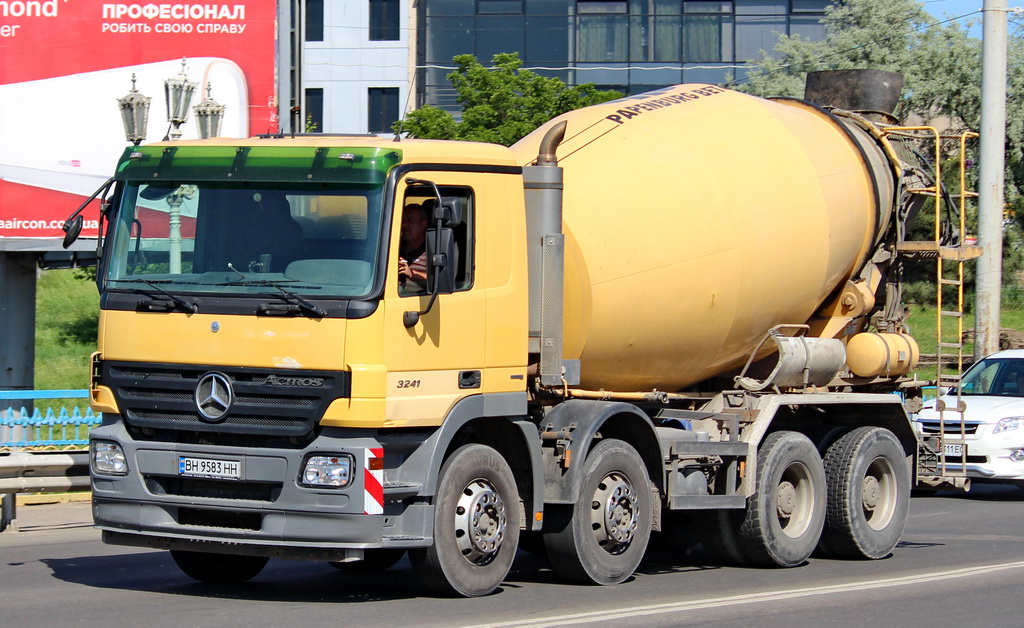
(952, 428)
(213, 489)
(271, 404)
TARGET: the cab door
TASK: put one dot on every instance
(440, 359)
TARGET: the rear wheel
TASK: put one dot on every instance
(786, 513)
(476, 525)
(603, 536)
(219, 568)
(868, 491)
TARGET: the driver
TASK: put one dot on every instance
(412, 250)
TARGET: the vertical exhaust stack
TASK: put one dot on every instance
(545, 252)
(872, 93)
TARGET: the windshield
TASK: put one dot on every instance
(198, 237)
(995, 376)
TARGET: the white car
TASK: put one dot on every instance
(993, 391)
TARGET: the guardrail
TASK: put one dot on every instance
(39, 472)
(29, 441)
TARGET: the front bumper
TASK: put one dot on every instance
(266, 512)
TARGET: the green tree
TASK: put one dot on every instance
(500, 104)
(940, 63)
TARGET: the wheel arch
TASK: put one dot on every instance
(504, 427)
(581, 423)
(824, 419)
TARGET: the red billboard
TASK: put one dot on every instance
(64, 64)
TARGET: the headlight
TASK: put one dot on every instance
(1009, 423)
(327, 471)
(108, 459)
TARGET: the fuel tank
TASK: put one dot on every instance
(697, 218)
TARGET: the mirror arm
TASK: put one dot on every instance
(100, 190)
(410, 318)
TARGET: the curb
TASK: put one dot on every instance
(53, 498)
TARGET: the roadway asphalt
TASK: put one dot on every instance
(60, 513)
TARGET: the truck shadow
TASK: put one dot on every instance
(280, 581)
(983, 492)
(301, 581)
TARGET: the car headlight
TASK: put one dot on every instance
(327, 471)
(108, 459)
(1009, 423)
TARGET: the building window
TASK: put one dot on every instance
(383, 109)
(314, 20)
(485, 7)
(314, 119)
(603, 33)
(384, 20)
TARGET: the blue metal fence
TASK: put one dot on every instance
(23, 427)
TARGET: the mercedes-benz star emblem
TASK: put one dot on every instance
(214, 396)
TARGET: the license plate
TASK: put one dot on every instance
(210, 468)
(954, 449)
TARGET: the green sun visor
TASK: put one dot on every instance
(293, 164)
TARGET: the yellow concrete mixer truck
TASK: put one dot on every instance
(674, 313)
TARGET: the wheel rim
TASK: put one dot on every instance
(795, 500)
(480, 522)
(614, 513)
(879, 494)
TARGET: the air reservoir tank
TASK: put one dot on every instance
(696, 219)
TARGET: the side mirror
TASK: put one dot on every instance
(449, 212)
(442, 260)
(442, 268)
(72, 229)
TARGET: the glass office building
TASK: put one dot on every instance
(629, 45)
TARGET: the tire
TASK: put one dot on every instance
(785, 515)
(476, 525)
(374, 561)
(602, 538)
(219, 568)
(868, 495)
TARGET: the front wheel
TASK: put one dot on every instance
(603, 536)
(868, 492)
(786, 513)
(476, 525)
(219, 568)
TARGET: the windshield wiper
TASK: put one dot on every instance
(297, 307)
(190, 307)
(154, 304)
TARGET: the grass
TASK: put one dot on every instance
(923, 323)
(67, 313)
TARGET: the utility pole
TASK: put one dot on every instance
(991, 178)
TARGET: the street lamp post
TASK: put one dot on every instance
(209, 116)
(174, 202)
(178, 92)
(134, 114)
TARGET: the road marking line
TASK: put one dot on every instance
(750, 598)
